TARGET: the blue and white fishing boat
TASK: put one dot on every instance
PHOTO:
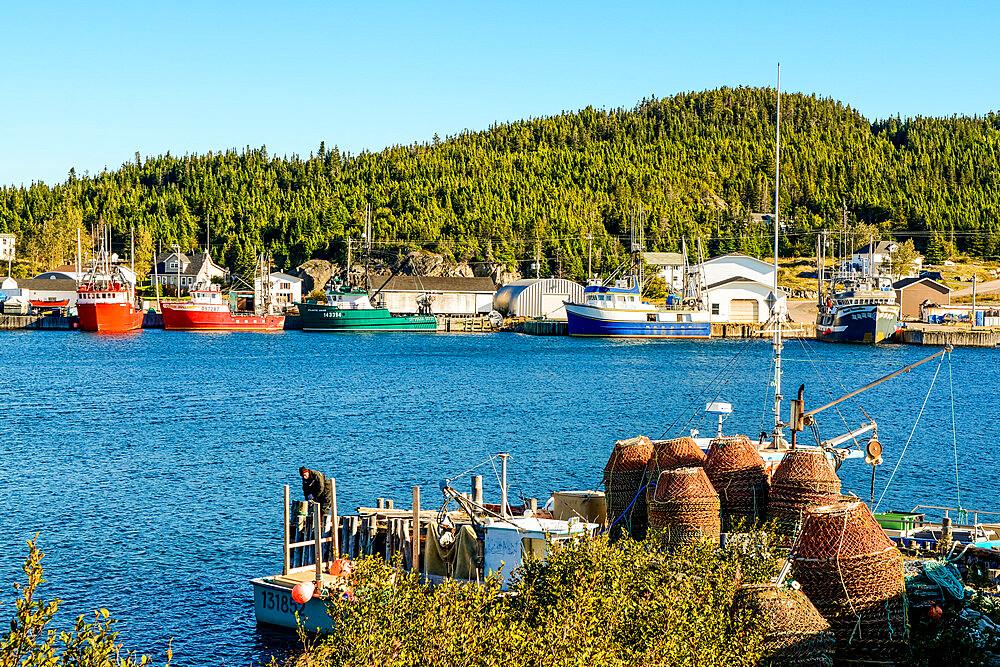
(618, 310)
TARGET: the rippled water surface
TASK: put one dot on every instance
(151, 464)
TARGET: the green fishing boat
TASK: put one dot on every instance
(350, 309)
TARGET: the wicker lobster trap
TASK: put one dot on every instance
(795, 632)
(804, 479)
(671, 454)
(736, 470)
(683, 507)
(624, 480)
(853, 573)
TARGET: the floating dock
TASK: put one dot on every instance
(50, 322)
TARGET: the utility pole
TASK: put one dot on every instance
(590, 252)
(348, 281)
(972, 320)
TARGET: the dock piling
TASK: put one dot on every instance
(318, 535)
(286, 555)
(335, 527)
(416, 529)
(477, 489)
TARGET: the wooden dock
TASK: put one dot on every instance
(546, 328)
(955, 337)
(466, 324)
(48, 322)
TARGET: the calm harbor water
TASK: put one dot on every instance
(151, 464)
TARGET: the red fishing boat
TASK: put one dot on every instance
(208, 311)
(107, 306)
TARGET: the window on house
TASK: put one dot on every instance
(286, 286)
(715, 309)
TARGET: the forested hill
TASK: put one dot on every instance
(698, 163)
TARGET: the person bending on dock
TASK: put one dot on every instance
(317, 488)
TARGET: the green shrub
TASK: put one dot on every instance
(588, 603)
(31, 642)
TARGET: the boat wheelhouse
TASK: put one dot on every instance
(857, 308)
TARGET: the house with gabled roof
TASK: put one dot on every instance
(737, 288)
(172, 268)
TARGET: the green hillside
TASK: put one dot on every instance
(698, 163)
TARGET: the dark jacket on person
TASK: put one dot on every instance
(319, 487)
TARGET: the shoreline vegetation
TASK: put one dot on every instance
(564, 187)
(589, 603)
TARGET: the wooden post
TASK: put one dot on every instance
(380, 503)
(287, 537)
(477, 489)
(389, 504)
(334, 529)
(533, 504)
(416, 529)
(318, 536)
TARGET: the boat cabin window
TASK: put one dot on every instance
(715, 309)
(650, 317)
(632, 299)
(532, 546)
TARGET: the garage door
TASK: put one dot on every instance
(743, 310)
(552, 306)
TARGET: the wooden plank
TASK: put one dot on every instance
(287, 538)
(318, 534)
(336, 521)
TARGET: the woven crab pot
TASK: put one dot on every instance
(804, 479)
(624, 480)
(683, 508)
(672, 454)
(796, 633)
(736, 470)
(853, 573)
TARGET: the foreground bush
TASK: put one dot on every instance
(31, 642)
(587, 603)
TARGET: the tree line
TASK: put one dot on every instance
(565, 188)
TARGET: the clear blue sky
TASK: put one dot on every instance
(87, 84)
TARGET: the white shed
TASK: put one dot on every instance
(448, 295)
(538, 297)
(738, 286)
(285, 288)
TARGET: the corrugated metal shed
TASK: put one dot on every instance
(542, 297)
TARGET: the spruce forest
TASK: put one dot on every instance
(699, 164)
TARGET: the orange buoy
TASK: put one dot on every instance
(934, 613)
(341, 567)
(303, 591)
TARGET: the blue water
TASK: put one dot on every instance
(151, 464)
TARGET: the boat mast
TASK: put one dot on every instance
(775, 310)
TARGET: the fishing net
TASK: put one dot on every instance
(624, 479)
(854, 575)
(736, 470)
(796, 633)
(804, 479)
(670, 454)
(683, 508)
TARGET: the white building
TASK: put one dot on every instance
(448, 296)
(538, 297)
(285, 289)
(70, 273)
(738, 287)
(874, 259)
(7, 244)
(40, 289)
(669, 266)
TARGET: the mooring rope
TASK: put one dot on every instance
(912, 431)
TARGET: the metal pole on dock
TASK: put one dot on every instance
(416, 529)
(318, 542)
(288, 536)
(503, 485)
(336, 520)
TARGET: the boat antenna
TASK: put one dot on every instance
(775, 310)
